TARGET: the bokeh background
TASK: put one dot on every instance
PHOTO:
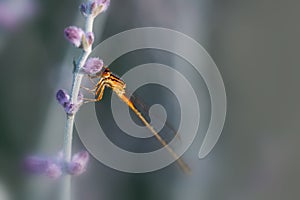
(255, 45)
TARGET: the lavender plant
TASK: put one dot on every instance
(64, 164)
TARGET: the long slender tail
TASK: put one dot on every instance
(181, 163)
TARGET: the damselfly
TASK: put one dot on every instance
(107, 79)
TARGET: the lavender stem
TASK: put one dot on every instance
(68, 135)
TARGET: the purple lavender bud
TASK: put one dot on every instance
(90, 37)
(87, 8)
(79, 163)
(62, 97)
(98, 6)
(104, 3)
(84, 9)
(71, 108)
(93, 65)
(87, 40)
(53, 171)
(34, 164)
(93, 5)
(74, 35)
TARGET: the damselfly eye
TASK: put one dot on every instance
(106, 73)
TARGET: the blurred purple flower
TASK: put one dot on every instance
(53, 167)
(54, 170)
(74, 35)
(93, 65)
(35, 164)
(14, 13)
(79, 163)
(42, 165)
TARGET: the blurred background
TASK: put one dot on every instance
(255, 46)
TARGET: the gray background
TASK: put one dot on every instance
(254, 44)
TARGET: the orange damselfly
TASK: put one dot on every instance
(108, 79)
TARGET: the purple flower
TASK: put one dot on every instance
(71, 108)
(35, 164)
(55, 167)
(54, 170)
(94, 7)
(104, 4)
(64, 99)
(13, 14)
(84, 9)
(42, 165)
(90, 38)
(93, 65)
(74, 35)
(79, 163)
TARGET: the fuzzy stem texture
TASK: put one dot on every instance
(68, 135)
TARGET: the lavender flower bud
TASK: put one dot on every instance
(87, 41)
(71, 108)
(74, 35)
(104, 4)
(90, 38)
(53, 171)
(84, 9)
(62, 97)
(94, 7)
(93, 65)
(51, 167)
(34, 164)
(79, 163)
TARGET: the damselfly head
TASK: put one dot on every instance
(106, 73)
